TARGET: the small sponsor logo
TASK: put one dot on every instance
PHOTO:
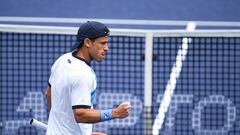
(106, 116)
(69, 61)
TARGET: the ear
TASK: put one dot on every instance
(87, 42)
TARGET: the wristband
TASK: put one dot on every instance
(106, 115)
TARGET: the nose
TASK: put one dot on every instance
(106, 48)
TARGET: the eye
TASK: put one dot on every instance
(103, 43)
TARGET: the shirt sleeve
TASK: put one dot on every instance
(81, 92)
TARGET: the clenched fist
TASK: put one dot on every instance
(122, 111)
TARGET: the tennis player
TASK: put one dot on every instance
(72, 85)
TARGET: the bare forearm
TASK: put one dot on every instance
(94, 116)
(87, 115)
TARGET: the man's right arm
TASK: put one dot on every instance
(48, 96)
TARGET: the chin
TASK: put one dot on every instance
(99, 60)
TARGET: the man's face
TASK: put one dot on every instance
(98, 48)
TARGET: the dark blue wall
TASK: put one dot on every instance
(204, 10)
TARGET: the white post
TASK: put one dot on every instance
(148, 84)
(148, 70)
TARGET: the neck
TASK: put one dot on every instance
(82, 53)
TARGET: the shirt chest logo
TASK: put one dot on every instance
(69, 61)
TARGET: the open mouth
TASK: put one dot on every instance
(103, 54)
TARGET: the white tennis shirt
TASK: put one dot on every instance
(73, 84)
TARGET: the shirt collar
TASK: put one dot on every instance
(77, 57)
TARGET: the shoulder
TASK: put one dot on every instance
(61, 58)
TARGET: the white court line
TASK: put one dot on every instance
(119, 21)
(168, 93)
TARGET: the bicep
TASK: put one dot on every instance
(48, 96)
(48, 91)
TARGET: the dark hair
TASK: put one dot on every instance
(81, 43)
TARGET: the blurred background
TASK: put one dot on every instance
(190, 48)
(157, 10)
